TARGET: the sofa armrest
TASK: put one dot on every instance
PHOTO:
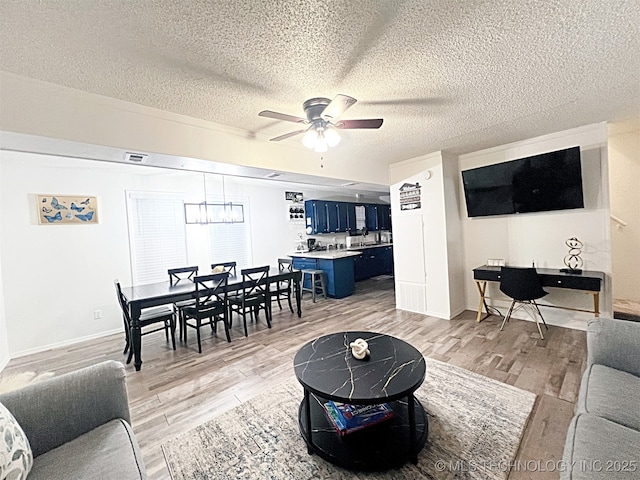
(62, 408)
(615, 344)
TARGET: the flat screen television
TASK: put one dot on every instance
(549, 181)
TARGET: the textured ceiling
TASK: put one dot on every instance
(444, 74)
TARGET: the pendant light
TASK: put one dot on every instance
(204, 213)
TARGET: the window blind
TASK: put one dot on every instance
(157, 236)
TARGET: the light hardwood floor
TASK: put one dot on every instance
(176, 391)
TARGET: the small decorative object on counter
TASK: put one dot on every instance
(572, 260)
(301, 246)
(359, 348)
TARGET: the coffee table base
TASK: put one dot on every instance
(378, 447)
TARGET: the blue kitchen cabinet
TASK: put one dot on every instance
(371, 217)
(302, 263)
(346, 216)
(333, 219)
(366, 266)
(360, 270)
(338, 274)
(327, 216)
(386, 255)
(384, 217)
(316, 217)
(374, 261)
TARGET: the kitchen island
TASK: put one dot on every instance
(343, 267)
(337, 266)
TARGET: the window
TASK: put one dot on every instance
(231, 242)
(157, 238)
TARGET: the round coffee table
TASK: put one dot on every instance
(391, 374)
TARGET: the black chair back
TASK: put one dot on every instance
(285, 264)
(211, 294)
(521, 283)
(255, 282)
(123, 304)
(229, 267)
(184, 273)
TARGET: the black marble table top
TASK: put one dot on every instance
(326, 367)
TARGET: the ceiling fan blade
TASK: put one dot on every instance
(363, 123)
(337, 107)
(287, 135)
(281, 116)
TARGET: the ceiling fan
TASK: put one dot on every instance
(322, 120)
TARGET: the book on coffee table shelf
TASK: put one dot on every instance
(347, 418)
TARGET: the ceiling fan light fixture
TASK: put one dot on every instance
(310, 138)
(321, 144)
(322, 117)
(332, 137)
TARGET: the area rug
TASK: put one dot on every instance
(475, 428)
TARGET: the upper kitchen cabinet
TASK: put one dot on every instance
(333, 218)
(384, 217)
(326, 216)
(346, 216)
(372, 217)
(316, 217)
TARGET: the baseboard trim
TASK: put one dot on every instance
(65, 343)
(4, 363)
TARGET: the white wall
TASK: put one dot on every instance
(540, 237)
(427, 240)
(624, 172)
(4, 344)
(55, 276)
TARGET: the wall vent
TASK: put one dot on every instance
(135, 157)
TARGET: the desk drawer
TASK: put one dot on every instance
(574, 282)
(488, 275)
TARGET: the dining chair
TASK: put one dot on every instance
(181, 274)
(149, 316)
(523, 286)
(177, 275)
(281, 290)
(229, 267)
(210, 303)
(253, 296)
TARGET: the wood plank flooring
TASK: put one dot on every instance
(176, 391)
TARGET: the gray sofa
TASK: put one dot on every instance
(78, 425)
(603, 440)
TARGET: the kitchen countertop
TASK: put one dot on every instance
(327, 254)
(340, 253)
(372, 245)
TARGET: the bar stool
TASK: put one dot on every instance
(316, 278)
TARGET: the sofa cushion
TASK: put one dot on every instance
(599, 449)
(109, 451)
(611, 394)
(15, 452)
(614, 343)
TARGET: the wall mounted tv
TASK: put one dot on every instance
(550, 181)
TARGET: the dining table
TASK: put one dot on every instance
(139, 297)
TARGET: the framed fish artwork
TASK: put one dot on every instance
(67, 209)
